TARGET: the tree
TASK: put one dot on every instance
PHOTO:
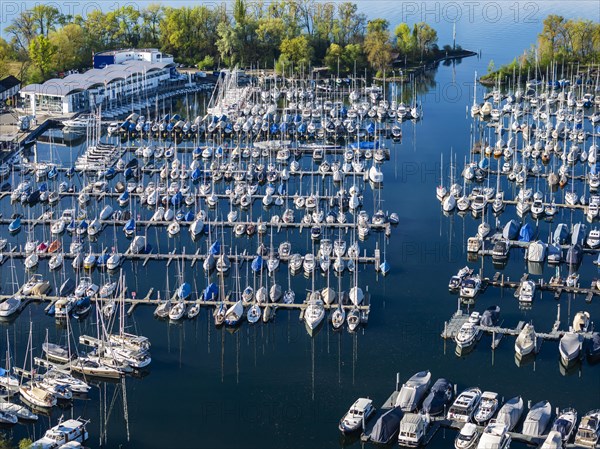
(349, 27)
(378, 47)
(22, 30)
(41, 53)
(151, 18)
(425, 37)
(71, 48)
(405, 41)
(270, 32)
(45, 18)
(295, 51)
(207, 63)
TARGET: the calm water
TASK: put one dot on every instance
(274, 386)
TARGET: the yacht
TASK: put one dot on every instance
(588, 431)
(413, 429)
(10, 306)
(439, 398)
(553, 441)
(525, 343)
(234, 313)
(464, 405)
(314, 313)
(487, 407)
(510, 413)
(413, 391)
(64, 433)
(36, 396)
(470, 287)
(358, 414)
(537, 419)
(570, 346)
(526, 291)
(565, 423)
(17, 410)
(494, 436)
(467, 336)
(468, 437)
(456, 280)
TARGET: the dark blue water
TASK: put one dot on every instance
(273, 385)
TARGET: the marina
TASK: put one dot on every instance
(255, 251)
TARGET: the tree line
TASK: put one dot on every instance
(560, 43)
(290, 35)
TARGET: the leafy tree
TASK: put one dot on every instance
(207, 63)
(41, 53)
(45, 18)
(25, 443)
(349, 27)
(71, 50)
(425, 37)
(151, 18)
(378, 47)
(404, 39)
(295, 52)
(22, 30)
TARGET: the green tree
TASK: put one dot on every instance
(25, 443)
(151, 18)
(41, 53)
(349, 27)
(45, 18)
(378, 47)
(295, 52)
(71, 49)
(425, 38)
(22, 31)
(207, 63)
(549, 38)
(405, 41)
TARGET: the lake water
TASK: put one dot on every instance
(275, 386)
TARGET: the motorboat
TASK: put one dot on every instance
(570, 346)
(487, 407)
(57, 353)
(565, 423)
(467, 336)
(468, 437)
(588, 432)
(553, 441)
(527, 291)
(10, 306)
(494, 436)
(537, 419)
(581, 322)
(413, 391)
(470, 287)
(386, 427)
(358, 414)
(63, 435)
(490, 316)
(464, 406)
(17, 410)
(510, 413)
(413, 429)
(439, 398)
(456, 280)
(526, 342)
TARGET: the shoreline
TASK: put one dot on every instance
(417, 69)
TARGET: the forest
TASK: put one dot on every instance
(287, 35)
(561, 44)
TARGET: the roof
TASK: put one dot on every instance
(361, 403)
(94, 77)
(8, 83)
